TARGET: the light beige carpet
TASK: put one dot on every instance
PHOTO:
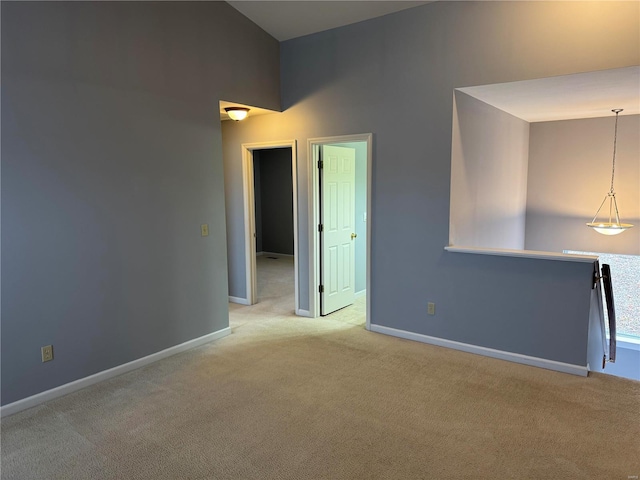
(293, 398)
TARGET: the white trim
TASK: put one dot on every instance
(249, 214)
(249, 225)
(294, 186)
(505, 252)
(76, 385)
(313, 152)
(313, 148)
(303, 313)
(627, 342)
(369, 218)
(361, 293)
(241, 301)
(484, 351)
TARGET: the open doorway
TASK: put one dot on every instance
(274, 232)
(340, 233)
(270, 213)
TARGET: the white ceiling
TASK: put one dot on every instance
(285, 20)
(583, 95)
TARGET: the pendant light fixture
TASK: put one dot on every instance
(610, 227)
(237, 113)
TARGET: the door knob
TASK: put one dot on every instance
(353, 235)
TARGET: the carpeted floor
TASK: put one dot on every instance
(293, 398)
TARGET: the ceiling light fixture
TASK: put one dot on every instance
(237, 113)
(611, 227)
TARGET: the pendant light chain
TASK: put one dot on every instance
(611, 227)
(615, 141)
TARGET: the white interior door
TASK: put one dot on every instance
(337, 235)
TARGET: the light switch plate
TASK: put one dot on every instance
(204, 230)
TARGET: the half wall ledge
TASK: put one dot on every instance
(505, 252)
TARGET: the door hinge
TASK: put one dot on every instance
(320, 228)
(320, 164)
(321, 288)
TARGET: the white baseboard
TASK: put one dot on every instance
(241, 301)
(487, 352)
(273, 254)
(303, 313)
(361, 293)
(71, 387)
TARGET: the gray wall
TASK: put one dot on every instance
(111, 159)
(489, 160)
(569, 175)
(394, 76)
(276, 200)
(361, 210)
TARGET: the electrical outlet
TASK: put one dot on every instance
(431, 308)
(204, 230)
(47, 353)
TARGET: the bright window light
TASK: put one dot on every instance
(625, 277)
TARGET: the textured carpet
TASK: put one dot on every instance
(293, 398)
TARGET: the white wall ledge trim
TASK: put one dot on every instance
(505, 252)
(81, 383)
(628, 342)
(485, 351)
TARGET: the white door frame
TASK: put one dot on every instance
(250, 219)
(313, 150)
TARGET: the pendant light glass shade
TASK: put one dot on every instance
(237, 113)
(610, 228)
(612, 225)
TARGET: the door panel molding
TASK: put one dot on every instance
(313, 155)
(338, 217)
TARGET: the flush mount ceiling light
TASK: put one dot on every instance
(610, 227)
(237, 113)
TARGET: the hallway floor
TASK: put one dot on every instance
(276, 297)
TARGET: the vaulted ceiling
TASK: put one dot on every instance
(285, 20)
(592, 94)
